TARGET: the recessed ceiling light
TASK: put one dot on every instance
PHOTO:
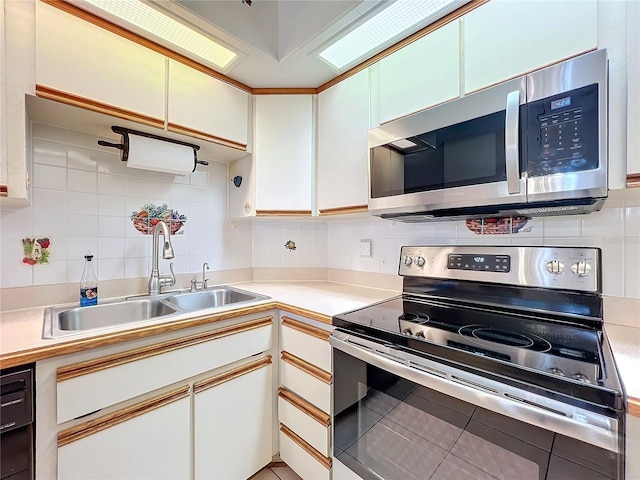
(142, 16)
(404, 143)
(385, 28)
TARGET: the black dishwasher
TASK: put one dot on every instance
(16, 423)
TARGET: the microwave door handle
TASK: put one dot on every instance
(511, 128)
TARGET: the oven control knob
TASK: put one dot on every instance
(408, 260)
(555, 266)
(420, 334)
(556, 371)
(407, 331)
(581, 268)
(420, 261)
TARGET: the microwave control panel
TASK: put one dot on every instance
(562, 132)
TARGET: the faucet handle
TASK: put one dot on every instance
(168, 280)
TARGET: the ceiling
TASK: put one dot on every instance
(277, 39)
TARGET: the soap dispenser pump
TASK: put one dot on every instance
(88, 283)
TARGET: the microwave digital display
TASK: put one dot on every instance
(563, 102)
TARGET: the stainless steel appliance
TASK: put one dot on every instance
(492, 363)
(534, 145)
(16, 423)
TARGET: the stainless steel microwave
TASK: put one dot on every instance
(534, 145)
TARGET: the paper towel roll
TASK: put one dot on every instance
(160, 156)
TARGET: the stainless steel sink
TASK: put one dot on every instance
(213, 297)
(60, 321)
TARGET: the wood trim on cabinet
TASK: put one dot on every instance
(306, 367)
(140, 40)
(324, 461)
(633, 406)
(472, 5)
(285, 91)
(283, 213)
(301, 404)
(231, 374)
(90, 366)
(83, 430)
(43, 91)
(192, 132)
(633, 180)
(306, 328)
(344, 210)
(4, 191)
(304, 313)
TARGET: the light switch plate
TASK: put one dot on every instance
(364, 249)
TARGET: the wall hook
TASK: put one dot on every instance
(237, 181)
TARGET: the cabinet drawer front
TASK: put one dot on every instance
(306, 385)
(314, 350)
(300, 459)
(110, 380)
(308, 428)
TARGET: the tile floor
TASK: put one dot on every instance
(279, 471)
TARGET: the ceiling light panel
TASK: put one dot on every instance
(391, 23)
(163, 26)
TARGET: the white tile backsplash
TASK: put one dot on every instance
(83, 196)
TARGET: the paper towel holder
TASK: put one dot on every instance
(124, 146)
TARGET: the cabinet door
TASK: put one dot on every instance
(507, 38)
(150, 440)
(233, 421)
(633, 91)
(422, 74)
(206, 106)
(283, 153)
(343, 123)
(88, 66)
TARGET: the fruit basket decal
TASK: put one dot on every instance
(497, 226)
(145, 219)
(36, 250)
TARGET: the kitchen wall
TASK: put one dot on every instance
(615, 229)
(83, 196)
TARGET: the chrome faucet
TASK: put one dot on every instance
(194, 283)
(157, 281)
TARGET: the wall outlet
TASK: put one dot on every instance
(364, 249)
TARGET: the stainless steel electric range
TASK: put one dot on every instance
(493, 363)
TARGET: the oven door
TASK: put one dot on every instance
(460, 154)
(391, 423)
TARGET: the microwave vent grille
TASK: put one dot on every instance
(554, 209)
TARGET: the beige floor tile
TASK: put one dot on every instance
(285, 473)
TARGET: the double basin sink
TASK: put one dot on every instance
(63, 321)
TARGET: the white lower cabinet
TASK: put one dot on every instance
(197, 402)
(304, 397)
(632, 448)
(143, 442)
(232, 422)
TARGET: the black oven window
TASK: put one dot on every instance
(388, 427)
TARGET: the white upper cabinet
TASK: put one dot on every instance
(283, 153)
(83, 60)
(207, 106)
(17, 78)
(343, 122)
(422, 74)
(503, 39)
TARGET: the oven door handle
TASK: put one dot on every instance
(511, 141)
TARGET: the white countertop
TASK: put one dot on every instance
(21, 330)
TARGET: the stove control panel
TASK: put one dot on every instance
(570, 268)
